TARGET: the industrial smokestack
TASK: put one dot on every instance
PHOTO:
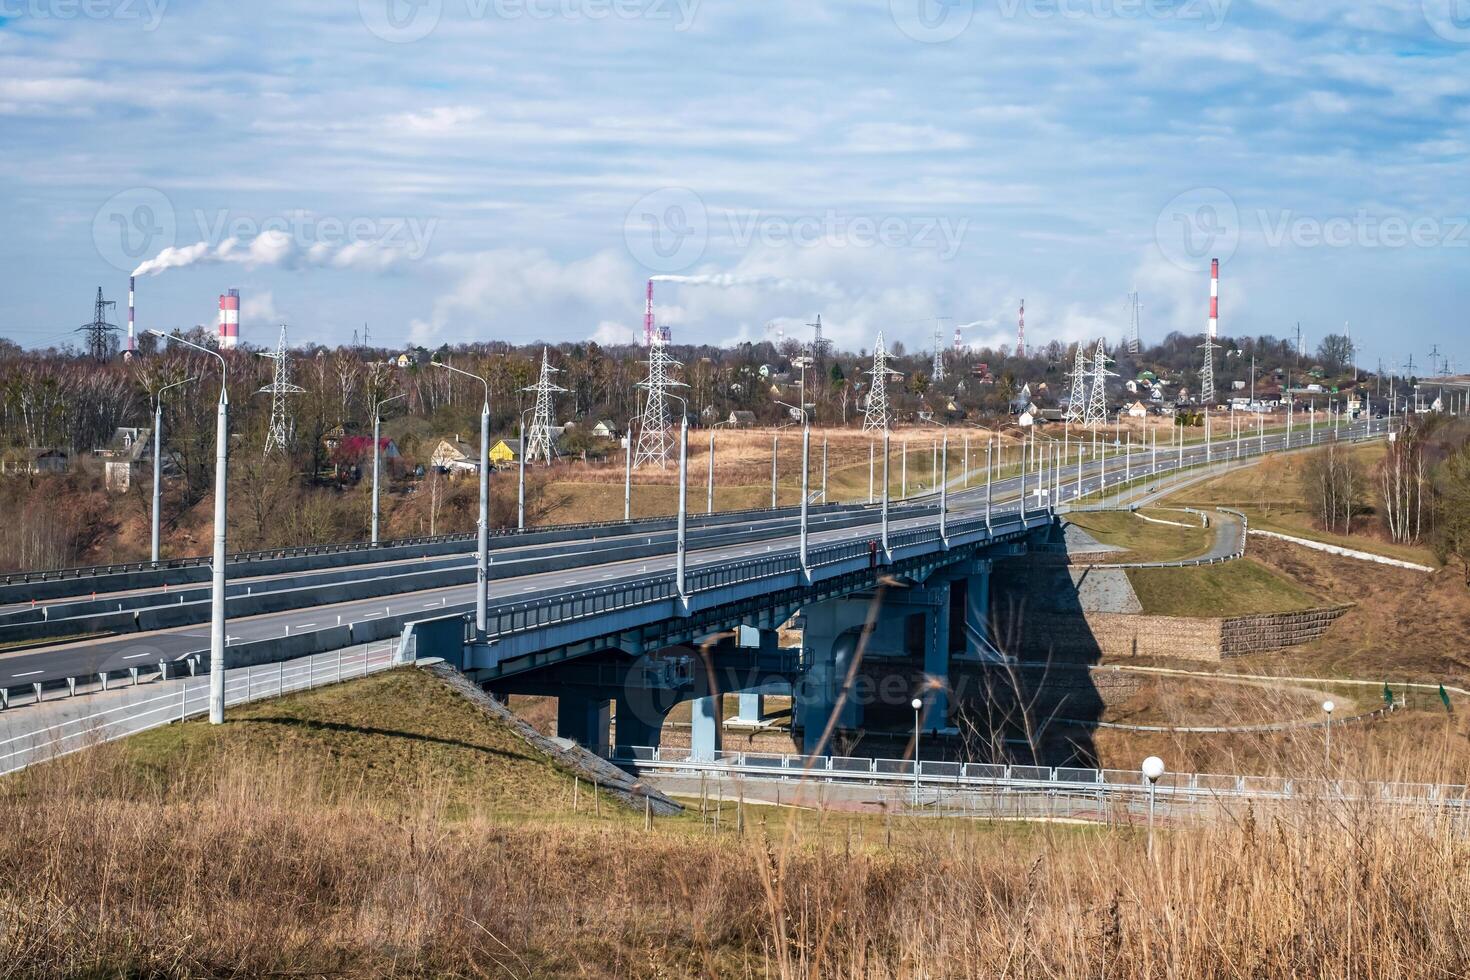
(132, 322)
(1214, 298)
(229, 320)
(959, 342)
(648, 318)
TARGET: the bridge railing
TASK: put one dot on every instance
(974, 776)
(530, 614)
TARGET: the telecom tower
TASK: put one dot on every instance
(876, 414)
(655, 435)
(1077, 404)
(1207, 375)
(1097, 402)
(1021, 332)
(101, 344)
(538, 440)
(278, 436)
(1134, 307)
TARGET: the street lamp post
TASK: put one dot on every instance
(377, 465)
(942, 467)
(628, 476)
(709, 491)
(1153, 768)
(1328, 707)
(775, 445)
(917, 705)
(989, 477)
(482, 555)
(158, 462)
(521, 478)
(806, 448)
(886, 554)
(217, 638)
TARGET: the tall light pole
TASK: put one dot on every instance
(943, 469)
(521, 477)
(628, 476)
(482, 559)
(681, 541)
(377, 464)
(917, 705)
(806, 449)
(1153, 768)
(887, 555)
(158, 461)
(709, 491)
(221, 489)
(775, 445)
(989, 477)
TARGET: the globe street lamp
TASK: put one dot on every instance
(1153, 768)
(1328, 707)
(917, 705)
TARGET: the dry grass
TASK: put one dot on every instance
(252, 854)
(1142, 540)
(1236, 588)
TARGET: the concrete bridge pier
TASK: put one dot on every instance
(823, 697)
(978, 642)
(706, 726)
(584, 720)
(752, 703)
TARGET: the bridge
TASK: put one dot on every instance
(616, 620)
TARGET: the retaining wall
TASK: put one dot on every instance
(1093, 637)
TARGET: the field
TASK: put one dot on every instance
(1236, 588)
(1271, 495)
(302, 842)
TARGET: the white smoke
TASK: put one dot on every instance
(730, 280)
(274, 249)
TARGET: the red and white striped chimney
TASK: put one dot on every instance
(229, 320)
(1214, 298)
(132, 322)
(1021, 332)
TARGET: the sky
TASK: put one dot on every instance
(469, 170)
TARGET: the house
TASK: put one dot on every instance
(36, 460)
(1138, 410)
(504, 452)
(454, 456)
(605, 429)
(741, 419)
(1132, 387)
(401, 361)
(128, 449)
(333, 438)
(354, 455)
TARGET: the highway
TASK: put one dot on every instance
(777, 535)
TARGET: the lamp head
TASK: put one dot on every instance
(916, 704)
(1328, 707)
(1153, 768)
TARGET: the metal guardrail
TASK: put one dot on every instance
(1238, 553)
(242, 685)
(537, 614)
(982, 776)
(306, 551)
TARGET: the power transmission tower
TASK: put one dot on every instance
(876, 414)
(1097, 403)
(1077, 404)
(1134, 309)
(655, 435)
(278, 436)
(938, 371)
(538, 440)
(821, 347)
(101, 342)
(1207, 373)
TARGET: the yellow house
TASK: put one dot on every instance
(505, 452)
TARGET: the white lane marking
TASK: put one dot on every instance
(430, 605)
(137, 656)
(302, 626)
(29, 673)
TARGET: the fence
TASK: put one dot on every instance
(1100, 784)
(188, 698)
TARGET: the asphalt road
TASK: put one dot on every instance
(87, 657)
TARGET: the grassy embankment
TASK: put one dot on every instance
(377, 830)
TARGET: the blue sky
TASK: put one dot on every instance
(449, 170)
